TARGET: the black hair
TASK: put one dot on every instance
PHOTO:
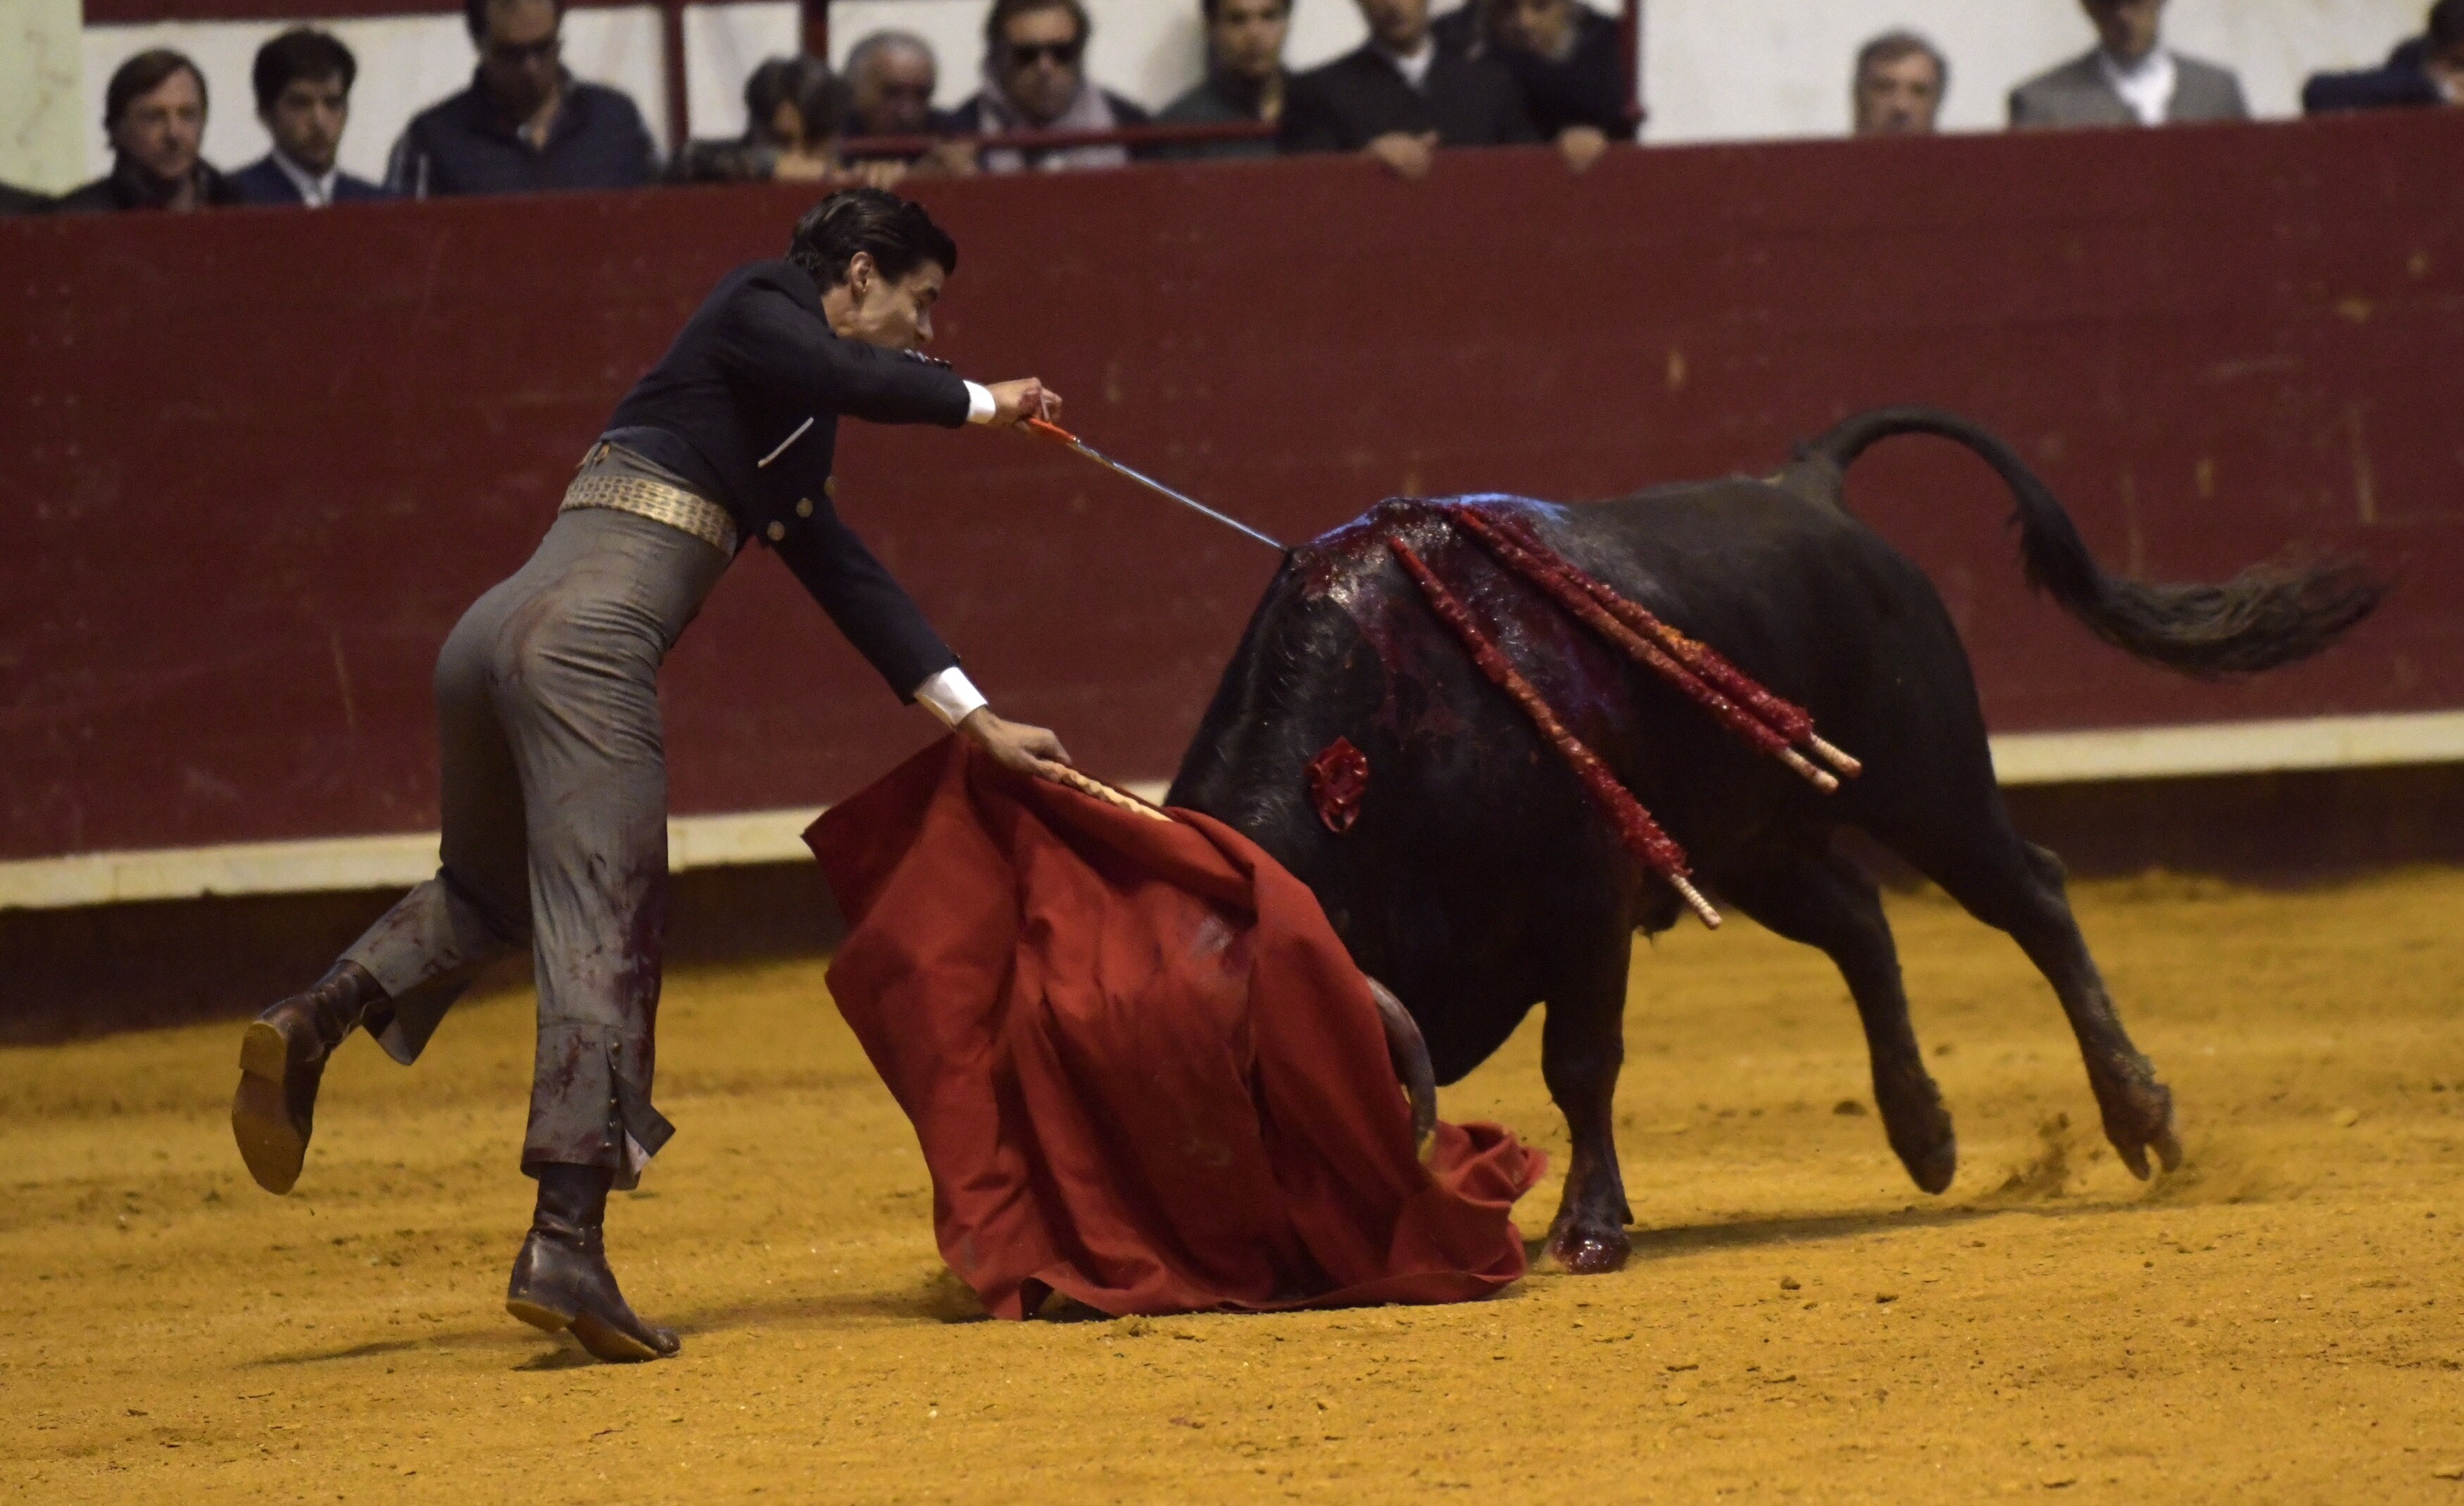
(300, 52)
(1004, 12)
(475, 16)
(1892, 46)
(143, 75)
(1207, 10)
(2447, 25)
(897, 232)
(804, 81)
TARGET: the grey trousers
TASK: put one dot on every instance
(554, 816)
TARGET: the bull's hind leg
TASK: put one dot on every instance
(2016, 887)
(1582, 1047)
(1825, 901)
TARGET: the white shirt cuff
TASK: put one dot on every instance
(951, 696)
(980, 406)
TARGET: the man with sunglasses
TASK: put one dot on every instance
(1035, 80)
(525, 125)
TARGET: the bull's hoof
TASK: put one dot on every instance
(2139, 1118)
(1934, 1169)
(1589, 1252)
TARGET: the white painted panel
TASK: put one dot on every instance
(406, 63)
(723, 44)
(775, 837)
(40, 95)
(1742, 69)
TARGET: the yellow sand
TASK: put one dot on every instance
(2278, 1322)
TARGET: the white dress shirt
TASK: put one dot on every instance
(2146, 85)
(1415, 68)
(315, 189)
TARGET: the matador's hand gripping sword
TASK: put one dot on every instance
(1054, 431)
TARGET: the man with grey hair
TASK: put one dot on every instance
(891, 77)
(2131, 78)
(1901, 80)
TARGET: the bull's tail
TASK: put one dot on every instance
(2270, 614)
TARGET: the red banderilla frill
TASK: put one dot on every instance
(1792, 722)
(1634, 827)
(1567, 584)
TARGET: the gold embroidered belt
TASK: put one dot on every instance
(658, 501)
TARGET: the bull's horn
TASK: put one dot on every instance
(1410, 1054)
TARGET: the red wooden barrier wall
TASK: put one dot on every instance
(254, 464)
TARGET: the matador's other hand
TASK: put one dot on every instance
(1016, 402)
(1014, 745)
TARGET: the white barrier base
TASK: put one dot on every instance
(343, 864)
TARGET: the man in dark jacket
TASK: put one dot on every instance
(304, 97)
(1244, 81)
(555, 786)
(22, 201)
(154, 110)
(1568, 59)
(524, 125)
(1035, 80)
(1402, 96)
(2428, 70)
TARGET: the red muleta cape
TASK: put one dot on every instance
(1144, 1071)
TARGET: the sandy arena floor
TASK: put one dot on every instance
(2277, 1323)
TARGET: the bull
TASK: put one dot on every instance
(1476, 881)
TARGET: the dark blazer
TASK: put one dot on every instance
(1359, 97)
(745, 406)
(462, 144)
(264, 182)
(22, 201)
(2075, 94)
(2402, 82)
(130, 186)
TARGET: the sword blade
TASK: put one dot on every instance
(1157, 487)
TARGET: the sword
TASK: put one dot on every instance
(1054, 431)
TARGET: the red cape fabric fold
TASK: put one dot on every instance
(1144, 1071)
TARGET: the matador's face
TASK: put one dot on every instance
(894, 314)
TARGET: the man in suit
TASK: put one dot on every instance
(303, 96)
(2426, 70)
(1244, 81)
(2131, 78)
(1402, 96)
(555, 783)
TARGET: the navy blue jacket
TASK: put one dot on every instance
(745, 406)
(1350, 101)
(264, 182)
(465, 145)
(2401, 81)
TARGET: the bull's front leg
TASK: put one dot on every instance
(1582, 1045)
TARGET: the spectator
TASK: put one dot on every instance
(1400, 96)
(1244, 76)
(1035, 80)
(792, 107)
(22, 201)
(893, 77)
(1568, 59)
(2427, 70)
(303, 97)
(154, 110)
(1901, 80)
(525, 124)
(2131, 78)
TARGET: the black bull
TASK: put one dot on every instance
(1479, 881)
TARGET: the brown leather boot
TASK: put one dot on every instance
(281, 1061)
(562, 1280)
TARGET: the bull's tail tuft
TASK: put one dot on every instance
(2268, 615)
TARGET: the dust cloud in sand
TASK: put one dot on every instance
(2277, 1321)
